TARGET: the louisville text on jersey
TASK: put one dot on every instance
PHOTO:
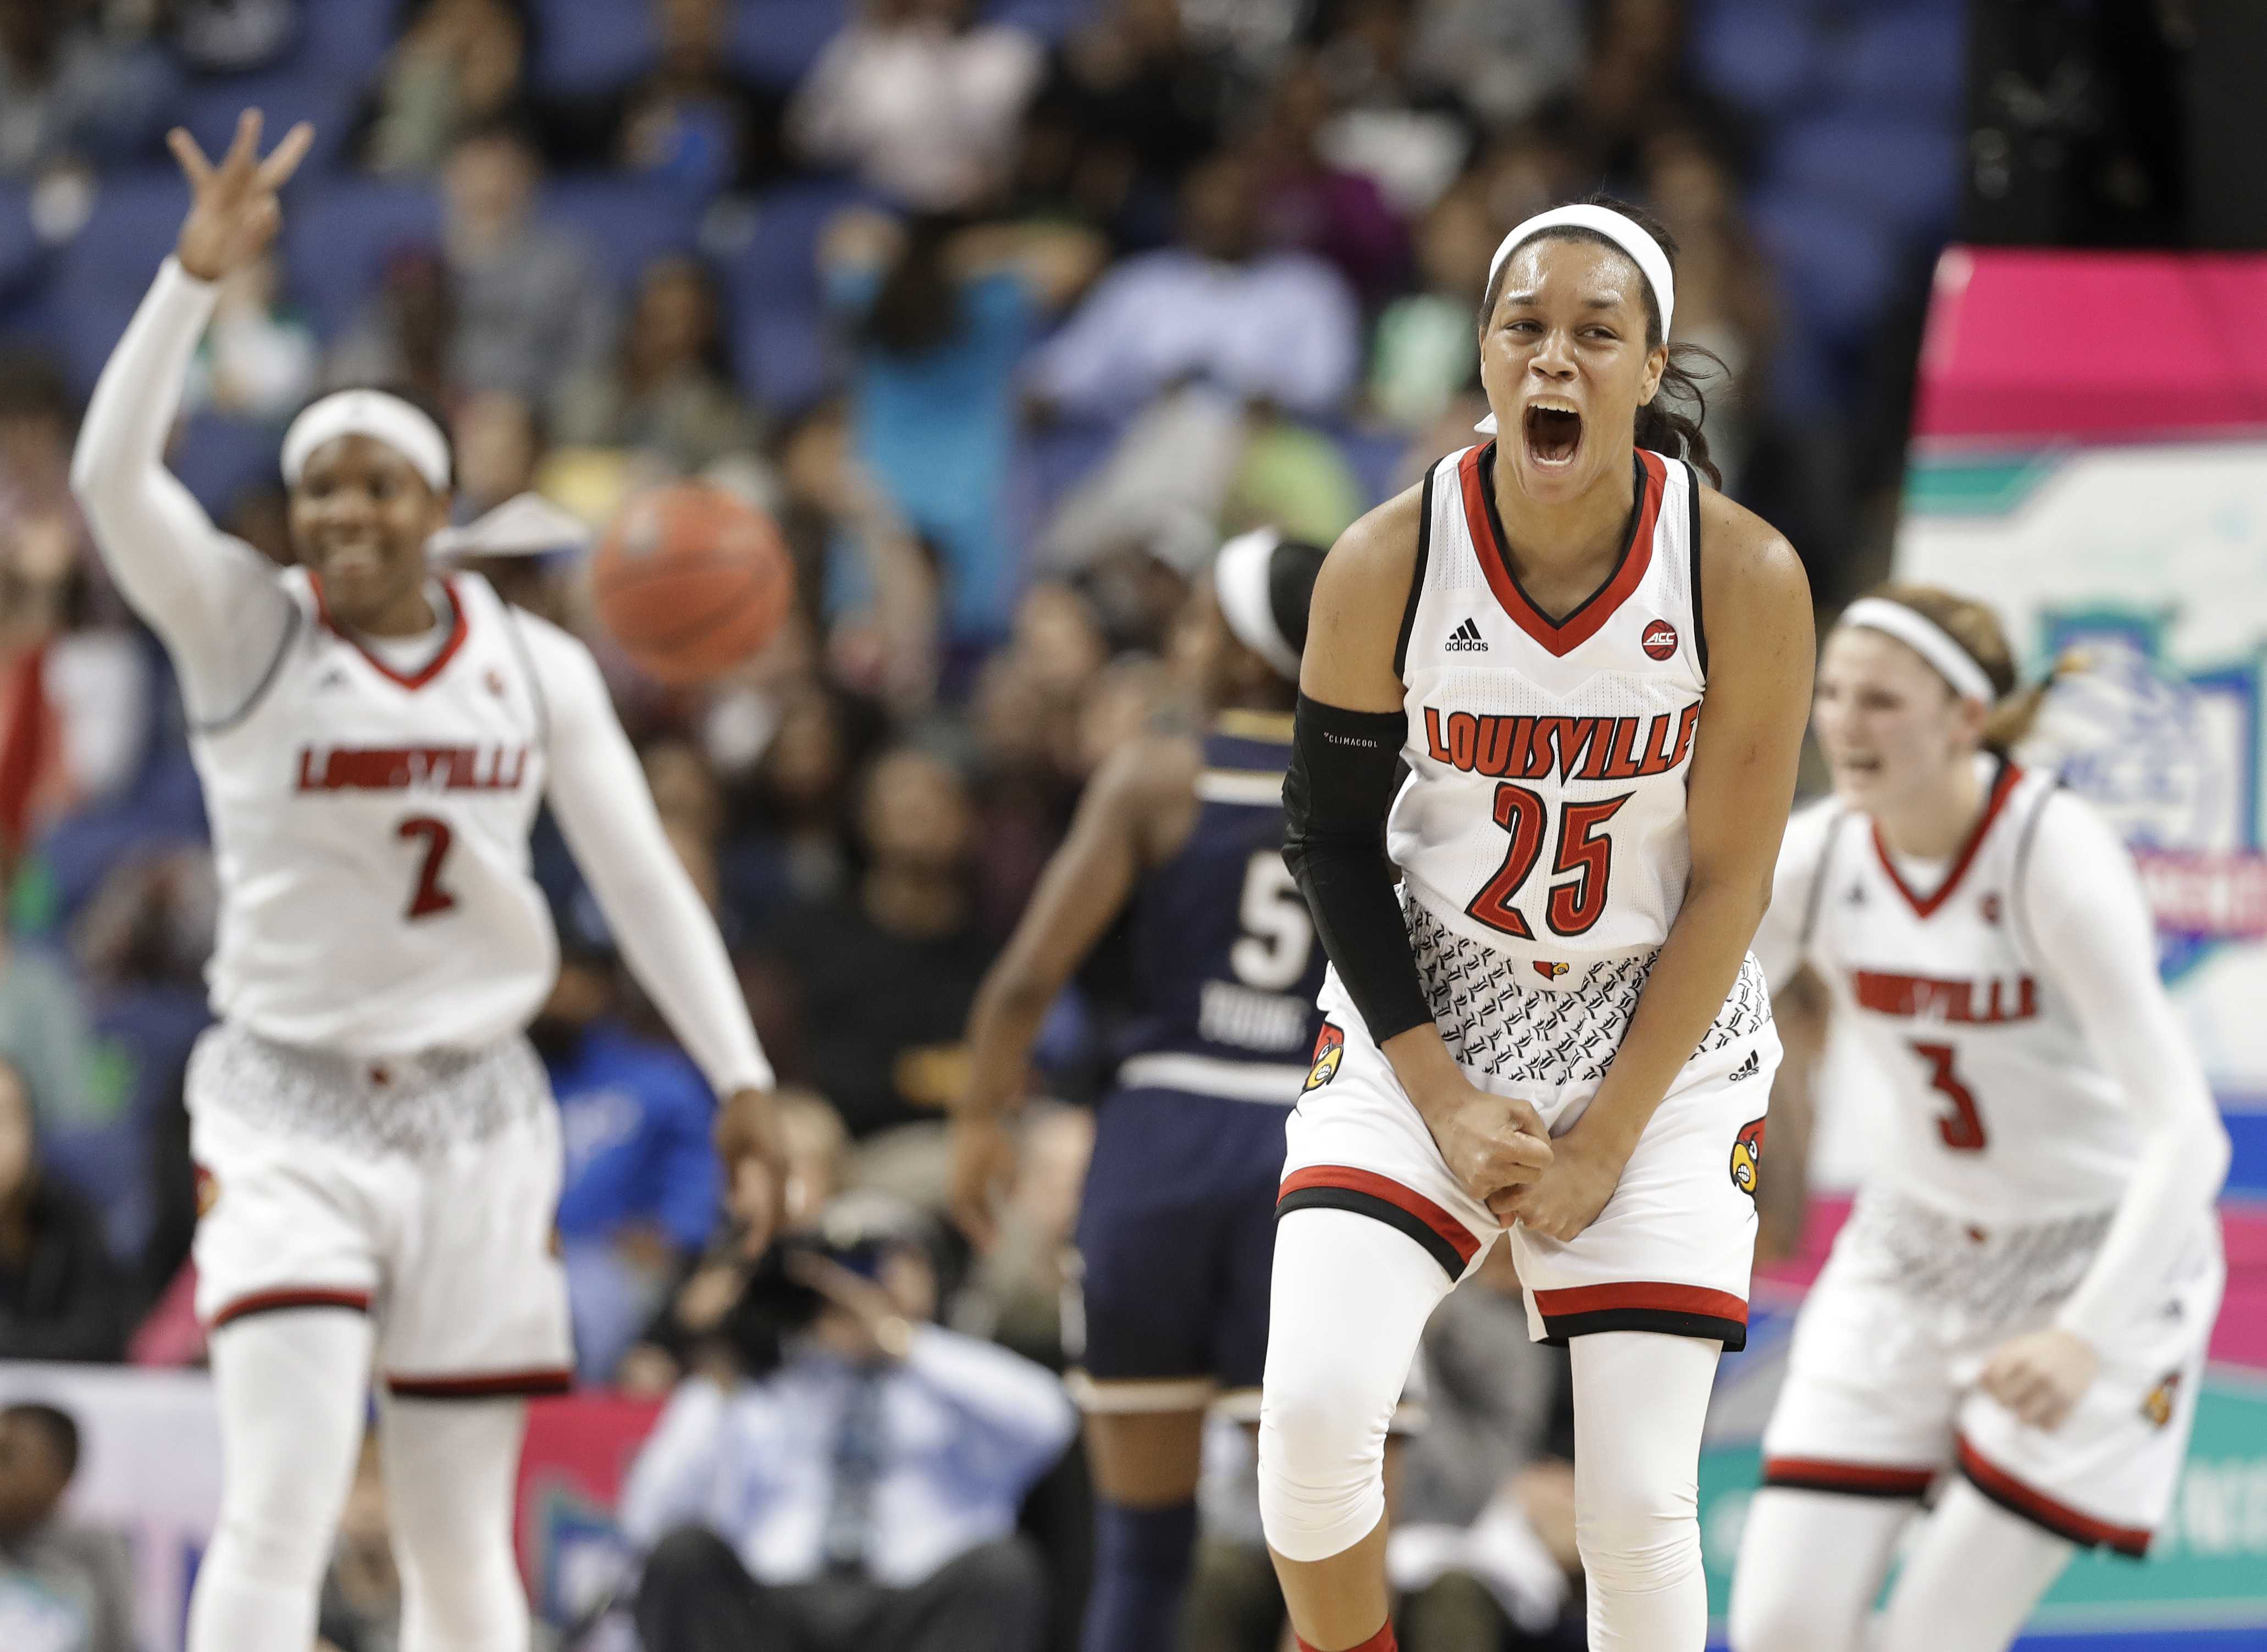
(412, 768)
(1573, 748)
(1988, 1003)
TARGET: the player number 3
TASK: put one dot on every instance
(1962, 1126)
(428, 898)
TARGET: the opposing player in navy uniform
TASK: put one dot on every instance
(1184, 838)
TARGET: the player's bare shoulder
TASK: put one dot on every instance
(1753, 587)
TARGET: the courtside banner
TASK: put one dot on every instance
(2111, 501)
(150, 1473)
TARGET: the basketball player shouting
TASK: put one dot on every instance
(1556, 1026)
(378, 1143)
(2025, 1291)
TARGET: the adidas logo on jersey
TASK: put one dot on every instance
(1748, 1068)
(1466, 639)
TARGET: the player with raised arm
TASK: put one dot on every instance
(2020, 1303)
(1176, 1232)
(1554, 1026)
(377, 1148)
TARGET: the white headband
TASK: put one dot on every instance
(373, 414)
(1624, 231)
(1928, 639)
(1239, 582)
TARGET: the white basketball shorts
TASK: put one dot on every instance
(1881, 1398)
(419, 1189)
(1672, 1248)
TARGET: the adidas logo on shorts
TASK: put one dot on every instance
(1748, 1068)
(1466, 639)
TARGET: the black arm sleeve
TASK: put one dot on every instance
(1342, 780)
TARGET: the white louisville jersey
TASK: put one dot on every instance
(1544, 812)
(371, 831)
(2001, 1114)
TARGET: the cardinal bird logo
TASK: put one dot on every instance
(1549, 970)
(2158, 1408)
(1329, 1047)
(1748, 1156)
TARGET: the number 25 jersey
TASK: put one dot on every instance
(370, 834)
(1543, 816)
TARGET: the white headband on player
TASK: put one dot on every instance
(1928, 639)
(1623, 230)
(1239, 583)
(375, 414)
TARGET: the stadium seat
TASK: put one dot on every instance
(106, 267)
(219, 457)
(1765, 57)
(19, 243)
(625, 222)
(336, 239)
(778, 322)
(586, 46)
(1905, 174)
(345, 36)
(773, 42)
(1837, 264)
(328, 97)
(1909, 63)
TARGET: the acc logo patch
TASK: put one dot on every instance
(2158, 1408)
(1329, 1045)
(1658, 639)
(207, 1191)
(1748, 1156)
(1549, 970)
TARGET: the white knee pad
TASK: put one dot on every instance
(450, 1468)
(1350, 1298)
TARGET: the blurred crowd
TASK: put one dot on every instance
(1008, 315)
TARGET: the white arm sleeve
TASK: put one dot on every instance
(1782, 941)
(214, 601)
(598, 793)
(2082, 910)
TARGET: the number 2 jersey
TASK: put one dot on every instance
(370, 834)
(1541, 835)
(1225, 960)
(2001, 1112)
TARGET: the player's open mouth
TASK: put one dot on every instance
(1554, 434)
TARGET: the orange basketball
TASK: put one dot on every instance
(692, 580)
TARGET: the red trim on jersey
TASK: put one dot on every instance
(1667, 1298)
(1559, 637)
(2003, 788)
(432, 667)
(1871, 1480)
(2043, 1510)
(547, 1379)
(1459, 1238)
(292, 1297)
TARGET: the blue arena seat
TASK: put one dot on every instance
(327, 98)
(1835, 261)
(345, 36)
(1905, 173)
(336, 239)
(626, 221)
(218, 457)
(585, 45)
(775, 42)
(106, 267)
(1762, 54)
(1909, 63)
(19, 243)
